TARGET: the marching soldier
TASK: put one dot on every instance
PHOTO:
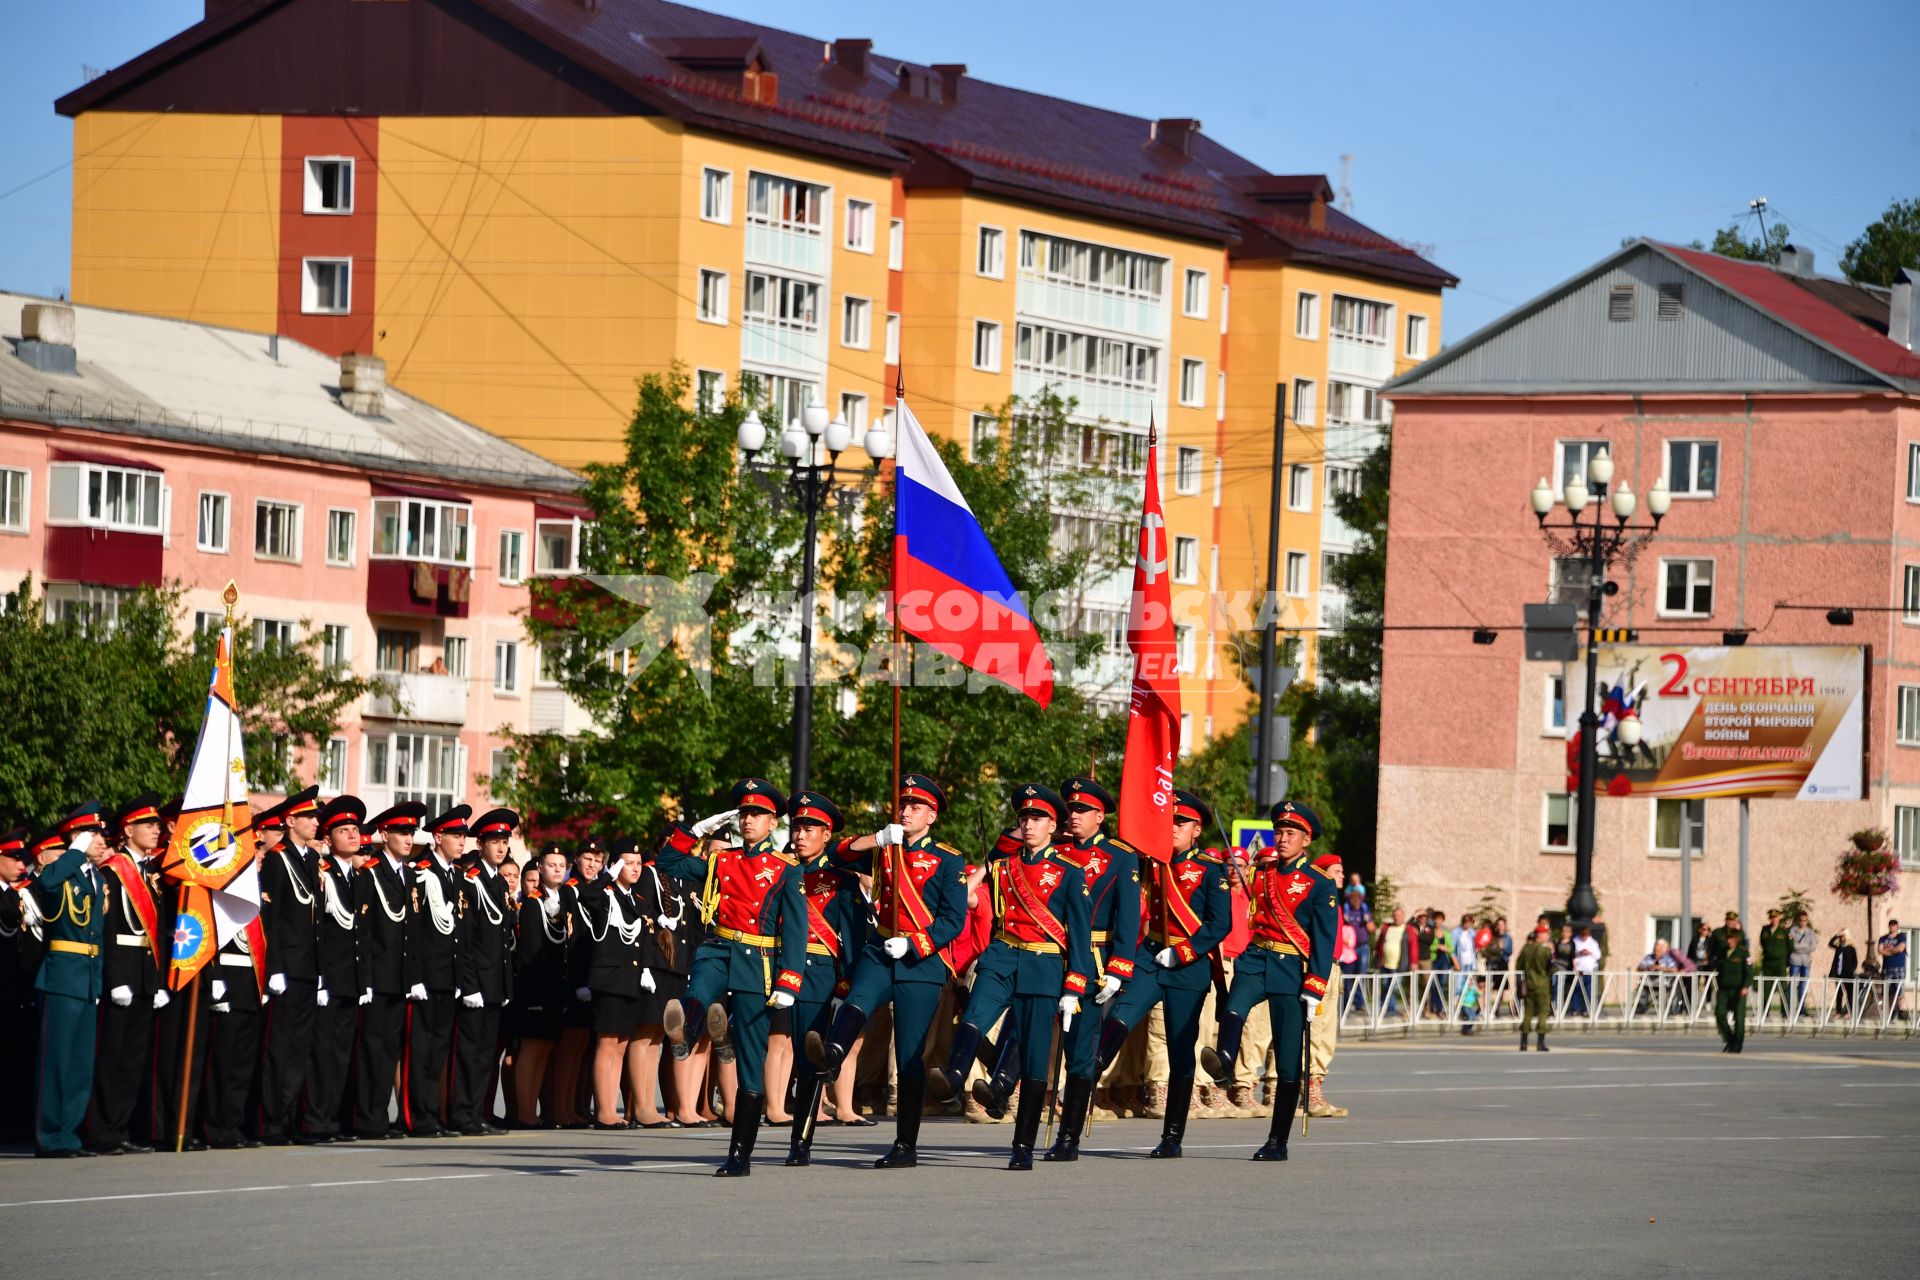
(1037, 963)
(1294, 921)
(920, 907)
(236, 997)
(540, 987)
(289, 913)
(1189, 912)
(486, 974)
(434, 944)
(134, 972)
(336, 997)
(71, 902)
(1536, 973)
(756, 911)
(1735, 978)
(836, 925)
(383, 890)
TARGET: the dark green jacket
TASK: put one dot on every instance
(75, 913)
(1776, 948)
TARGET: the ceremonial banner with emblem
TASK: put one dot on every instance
(1153, 713)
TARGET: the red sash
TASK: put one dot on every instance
(257, 952)
(134, 885)
(907, 897)
(1027, 894)
(1278, 913)
(822, 931)
(1173, 900)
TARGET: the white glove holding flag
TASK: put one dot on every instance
(780, 1000)
(897, 948)
(417, 992)
(161, 999)
(221, 1007)
(219, 991)
(1109, 987)
(277, 984)
(1312, 1004)
(472, 1000)
(122, 996)
(320, 998)
(708, 825)
(1165, 958)
(646, 981)
(1069, 1006)
(891, 834)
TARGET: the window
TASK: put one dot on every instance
(1342, 482)
(455, 656)
(272, 633)
(92, 607)
(1554, 722)
(896, 245)
(1193, 296)
(986, 346)
(1679, 824)
(1360, 320)
(856, 323)
(421, 767)
(557, 547)
(1686, 588)
(1558, 815)
(786, 204)
(1296, 573)
(396, 651)
(853, 412)
(205, 620)
(506, 667)
(985, 434)
(340, 534)
(1087, 359)
(860, 225)
(1693, 468)
(423, 529)
(1093, 267)
(552, 658)
(1305, 406)
(13, 499)
(713, 296)
(1572, 581)
(276, 530)
(326, 286)
(1299, 487)
(716, 195)
(1906, 834)
(1672, 302)
(990, 259)
(329, 185)
(336, 646)
(333, 766)
(210, 534)
(1910, 595)
(1186, 559)
(105, 497)
(1351, 402)
(1620, 303)
(893, 339)
(1906, 716)
(1186, 469)
(1570, 459)
(1416, 337)
(1306, 316)
(1913, 473)
(1184, 639)
(782, 302)
(709, 390)
(499, 770)
(1193, 381)
(513, 557)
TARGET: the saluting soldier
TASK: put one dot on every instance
(383, 890)
(486, 974)
(836, 929)
(71, 900)
(289, 914)
(434, 944)
(1037, 964)
(1536, 975)
(1294, 921)
(134, 972)
(336, 997)
(541, 991)
(1189, 912)
(755, 951)
(920, 907)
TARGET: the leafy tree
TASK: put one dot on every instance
(1794, 903)
(1218, 774)
(1888, 244)
(1730, 242)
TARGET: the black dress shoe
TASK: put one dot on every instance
(618, 1126)
(277, 1140)
(105, 1151)
(903, 1155)
(491, 1129)
(1167, 1150)
(1271, 1149)
(473, 1131)
(247, 1144)
(312, 1139)
(394, 1134)
(132, 1148)
(64, 1153)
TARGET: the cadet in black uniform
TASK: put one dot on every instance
(614, 920)
(19, 1019)
(382, 890)
(486, 974)
(135, 970)
(541, 990)
(290, 913)
(336, 997)
(236, 999)
(433, 982)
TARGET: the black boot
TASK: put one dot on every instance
(1113, 1038)
(1026, 1122)
(945, 1082)
(1174, 1128)
(1523, 1042)
(1073, 1117)
(674, 1021)
(996, 1090)
(806, 1106)
(1218, 1062)
(827, 1055)
(904, 1153)
(1286, 1097)
(1543, 1042)
(747, 1108)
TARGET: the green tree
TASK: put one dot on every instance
(1888, 244)
(1730, 242)
(1218, 774)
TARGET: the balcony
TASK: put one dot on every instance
(552, 711)
(784, 346)
(786, 247)
(1045, 299)
(418, 588)
(1367, 359)
(1115, 402)
(415, 695)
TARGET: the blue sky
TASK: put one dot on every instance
(1520, 140)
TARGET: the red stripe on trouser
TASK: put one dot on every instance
(260, 1072)
(406, 1067)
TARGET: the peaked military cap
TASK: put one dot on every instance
(811, 806)
(275, 819)
(342, 810)
(451, 823)
(1037, 796)
(1291, 813)
(144, 807)
(494, 823)
(403, 816)
(1085, 791)
(86, 816)
(1188, 807)
(758, 793)
(918, 786)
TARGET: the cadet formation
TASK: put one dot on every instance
(404, 972)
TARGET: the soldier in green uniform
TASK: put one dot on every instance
(1776, 947)
(70, 898)
(1536, 969)
(1735, 973)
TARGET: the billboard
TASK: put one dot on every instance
(1782, 721)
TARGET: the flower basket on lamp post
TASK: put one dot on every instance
(1867, 869)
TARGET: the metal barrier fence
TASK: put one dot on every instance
(1441, 1002)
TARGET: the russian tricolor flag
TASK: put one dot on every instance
(949, 590)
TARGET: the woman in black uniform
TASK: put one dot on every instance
(659, 982)
(616, 922)
(540, 982)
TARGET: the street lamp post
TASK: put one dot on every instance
(1599, 546)
(810, 480)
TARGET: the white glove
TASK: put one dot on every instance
(891, 834)
(456, 993)
(277, 984)
(665, 922)
(473, 1000)
(708, 825)
(222, 1007)
(646, 980)
(320, 998)
(780, 1000)
(417, 992)
(896, 947)
(1165, 958)
(1069, 1005)
(366, 997)
(122, 996)
(161, 999)
(583, 994)
(1313, 1005)
(1109, 987)
(219, 991)
(833, 1007)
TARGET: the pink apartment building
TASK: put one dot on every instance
(1783, 409)
(136, 450)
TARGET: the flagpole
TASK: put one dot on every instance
(893, 558)
(186, 1063)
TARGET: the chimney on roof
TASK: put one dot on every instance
(46, 338)
(363, 385)
(1796, 261)
(950, 73)
(1903, 316)
(1176, 133)
(851, 55)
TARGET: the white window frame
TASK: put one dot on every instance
(982, 426)
(83, 517)
(892, 355)
(1306, 315)
(1546, 824)
(407, 643)
(1688, 805)
(353, 536)
(1299, 486)
(499, 767)
(1312, 398)
(450, 645)
(1361, 307)
(310, 287)
(441, 510)
(1906, 834)
(1692, 443)
(1692, 585)
(341, 648)
(896, 244)
(224, 544)
(16, 517)
(863, 241)
(1586, 448)
(1906, 715)
(310, 191)
(332, 782)
(299, 530)
(1913, 471)
(1188, 279)
(821, 199)
(1186, 559)
(510, 649)
(519, 575)
(1188, 462)
(716, 182)
(284, 634)
(990, 252)
(718, 400)
(1910, 594)
(1339, 479)
(576, 525)
(1549, 726)
(856, 322)
(1416, 326)
(853, 411)
(723, 289)
(1298, 572)
(1193, 382)
(990, 330)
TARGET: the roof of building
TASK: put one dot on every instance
(157, 378)
(1817, 332)
(941, 126)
